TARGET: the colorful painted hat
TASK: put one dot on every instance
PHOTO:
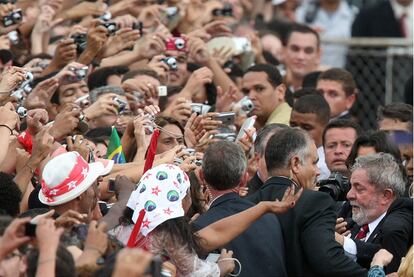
(158, 196)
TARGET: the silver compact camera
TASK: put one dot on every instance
(80, 73)
(24, 88)
(171, 62)
(22, 112)
(122, 105)
(246, 104)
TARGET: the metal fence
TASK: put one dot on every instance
(381, 68)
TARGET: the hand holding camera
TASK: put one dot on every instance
(123, 39)
(65, 53)
(150, 45)
(14, 236)
(11, 79)
(105, 105)
(97, 36)
(65, 122)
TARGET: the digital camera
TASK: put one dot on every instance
(178, 43)
(80, 41)
(80, 73)
(22, 112)
(171, 62)
(112, 27)
(227, 11)
(336, 185)
(122, 105)
(12, 18)
(25, 87)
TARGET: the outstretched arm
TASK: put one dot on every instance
(225, 230)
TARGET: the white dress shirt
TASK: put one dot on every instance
(350, 246)
(335, 24)
(399, 10)
(322, 165)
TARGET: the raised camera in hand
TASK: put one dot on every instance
(12, 18)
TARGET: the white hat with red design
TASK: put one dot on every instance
(67, 176)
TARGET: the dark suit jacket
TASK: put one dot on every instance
(254, 184)
(308, 230)
(260, 248)
(377, 20)
(394, 233)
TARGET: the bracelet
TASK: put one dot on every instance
(11, 131)
(45, 261)
(31, 169)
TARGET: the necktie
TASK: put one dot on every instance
(403, 27)
(362, 232)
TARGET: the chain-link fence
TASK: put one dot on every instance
(382, 67)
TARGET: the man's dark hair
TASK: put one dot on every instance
(99, 77)
(273, 74)
(263, 134)
(65, 265)
(313, 103)
(379, 140)
(162, 121)
(311, 79)
(134, 73)
(282, 146)
(224, 164)
(10, 195)
(399, 111)
(300, 28)
(341, 124)
(304, 91)
(341, 76)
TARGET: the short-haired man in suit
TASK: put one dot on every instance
(260, 249)
(309, 227)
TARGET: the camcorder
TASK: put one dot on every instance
(337, 186)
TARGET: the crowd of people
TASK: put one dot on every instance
(199, 138)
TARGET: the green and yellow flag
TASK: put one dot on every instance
(114, 151)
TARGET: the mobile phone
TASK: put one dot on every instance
(213, 257)
(247, 124)
(227, 118)
(30, 229)
(111, 185)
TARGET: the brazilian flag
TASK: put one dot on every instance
(114, 151)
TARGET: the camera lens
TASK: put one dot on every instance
(179, 43)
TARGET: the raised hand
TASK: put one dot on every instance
(288, 201)
(14, 236)
(65, 53)
(35, 119)
(123, 39)
(41, 95)
(11, 79)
